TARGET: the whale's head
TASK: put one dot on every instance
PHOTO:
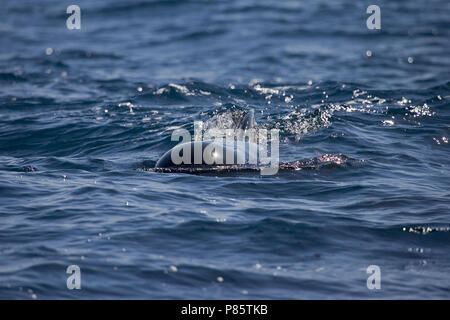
(211, 153)
(220, 154)
(197, 154)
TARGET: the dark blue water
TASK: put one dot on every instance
(85, 115)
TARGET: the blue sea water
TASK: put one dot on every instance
(85, 115)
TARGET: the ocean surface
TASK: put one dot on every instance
(85, 115)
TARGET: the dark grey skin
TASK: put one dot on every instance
(238, 151)
(220, 159)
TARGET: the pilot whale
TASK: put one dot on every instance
(208, 153)
(218, 154)
(223, 156)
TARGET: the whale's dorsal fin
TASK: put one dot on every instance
(248, 121)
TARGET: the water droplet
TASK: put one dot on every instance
(173, 269)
